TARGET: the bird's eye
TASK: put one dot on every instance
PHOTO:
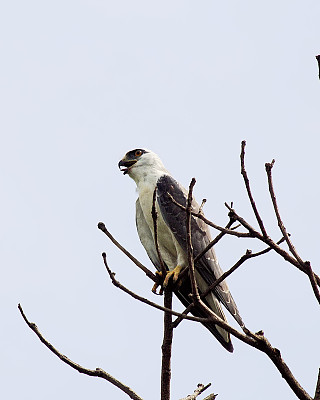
(138, 153)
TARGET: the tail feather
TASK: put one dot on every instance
(213, 303)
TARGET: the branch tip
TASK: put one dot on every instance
(101, 226)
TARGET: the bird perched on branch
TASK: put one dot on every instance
(149, 174)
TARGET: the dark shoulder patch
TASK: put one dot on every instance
(166, 184)
(172, 214)
(175, 217)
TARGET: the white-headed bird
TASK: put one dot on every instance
(148, 172)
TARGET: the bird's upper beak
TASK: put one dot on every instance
(126, 164)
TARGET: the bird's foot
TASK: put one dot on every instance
(158, 283)
(174, 275)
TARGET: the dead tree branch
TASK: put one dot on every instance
(214, 241)
(98, 372)
(200, 389)
(117, 284)
(312, 277)
(194, 286)
(276, 210)
(305, 265)
(167, 319)
(261, 343)
(256, 340)
(317, 392)
(283, 253)
(318, 60)
(149, 274)
(247, 185)
(166, 346)
(155, 230)
(244, 258)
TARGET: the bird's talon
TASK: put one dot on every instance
(174, 274)
(158, 283)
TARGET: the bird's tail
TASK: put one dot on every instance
(213, 303)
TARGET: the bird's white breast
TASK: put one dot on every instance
(170, 249)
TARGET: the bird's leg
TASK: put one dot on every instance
(174, 274)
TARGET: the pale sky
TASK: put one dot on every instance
(83, 82)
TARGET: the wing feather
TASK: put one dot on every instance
(207, 266)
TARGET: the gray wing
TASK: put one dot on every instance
(207, 266)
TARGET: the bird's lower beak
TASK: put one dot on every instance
(126, 164)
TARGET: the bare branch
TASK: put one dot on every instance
(155, 231)
(202, 205)
(276, 210)
(212, 317)
(257, 341)
(98, 372)
(210, 223)
(247, 184)
(200, 389)
(317, 392)
(166, 346)
(318, 60)
(304, 266)
(146, 301)
(103, 228)
(244, 258)
(261, 343)
(283, 253)
(313, 282)
(180, 318)
(194, 286)
(214, 241)
(211, 396)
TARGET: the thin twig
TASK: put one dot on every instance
(185, 312)
(103, 228)
(318, 60)
(166, 346)
(247, 184)
(245, 257)
(261, 343)
(313, 282)
(202, 205)
(208, 247)
(317, 392)
(155, 231)
(214, 241)
(98, 372)
(276, 210)
(194, 286)
(210, 223)
(200, 389)
(242, 259)
(212, 317)
(227, 273)
(283, 253)
(117, 284)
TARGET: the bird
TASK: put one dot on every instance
(147, 170)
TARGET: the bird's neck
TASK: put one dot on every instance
(147, 179)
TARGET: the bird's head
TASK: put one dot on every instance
(139, 163)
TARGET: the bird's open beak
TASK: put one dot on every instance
(126, 164)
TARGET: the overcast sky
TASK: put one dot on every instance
(81, 83)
